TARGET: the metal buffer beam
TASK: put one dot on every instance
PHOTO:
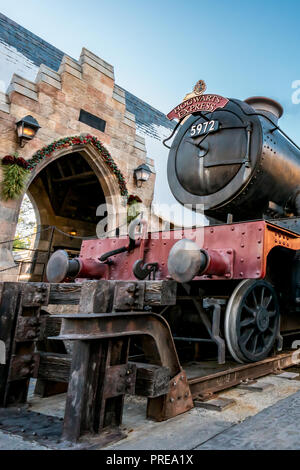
(97, 388)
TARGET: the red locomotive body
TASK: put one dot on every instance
(235, 251)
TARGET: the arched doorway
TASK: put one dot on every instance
(66, 192)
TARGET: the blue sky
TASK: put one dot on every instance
(161, 48)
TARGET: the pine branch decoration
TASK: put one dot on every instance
(14, 179)
(15, 173)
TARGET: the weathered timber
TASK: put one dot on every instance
(54, 367)
(64, 294)
(52, 326)
(46, 386)
(21, 367)
(93, 403)
(10, 293)
(151, 380)
(160, 292)
(75, 404)
(34, 294)
(106, 296)
(27, 329)
(100, 375)
(96, 296)
(24, 326)
(20, 308)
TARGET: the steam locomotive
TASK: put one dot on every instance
(239, 288)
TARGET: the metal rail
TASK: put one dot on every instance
(205, 387)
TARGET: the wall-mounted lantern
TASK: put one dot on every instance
(142, 173)
(27, 129)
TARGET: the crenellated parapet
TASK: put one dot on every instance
(58, 99)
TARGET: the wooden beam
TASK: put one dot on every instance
(86, 174)
(60, 169)
(69, 161)
(86, 183)
(65, 294)
(49, 181)
(54, 367)
(151, 380)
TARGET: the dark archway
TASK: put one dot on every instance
(73, 189)
(66, 194)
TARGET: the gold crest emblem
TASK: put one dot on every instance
(199, 89)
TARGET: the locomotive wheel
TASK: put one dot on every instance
(252, 320)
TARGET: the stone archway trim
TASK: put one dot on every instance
(73, 141)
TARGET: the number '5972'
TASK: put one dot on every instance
(204, 128)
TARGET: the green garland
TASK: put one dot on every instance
(16, 170)
(77, 140)
(15, 174)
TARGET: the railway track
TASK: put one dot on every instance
(205, 386)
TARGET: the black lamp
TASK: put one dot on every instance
(141, 174)
(27, 129)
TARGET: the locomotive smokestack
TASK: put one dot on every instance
(266, 106)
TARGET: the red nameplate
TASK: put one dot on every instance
(197, 103)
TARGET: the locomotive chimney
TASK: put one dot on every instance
(266, 106)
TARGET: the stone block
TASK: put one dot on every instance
(70, 66)
(85, 60)
(140, 139)
(88, 55)
(119, 95)
(23, 82)
(8, 214)
(139, 153)
(118, 98)
(71, 62)
(23, 87)
(51, 91)
(4, 103)
(129, 122)
(129, 115)
(45, 74)
(65, 68)
(140, 146)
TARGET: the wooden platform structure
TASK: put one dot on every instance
(86, 354)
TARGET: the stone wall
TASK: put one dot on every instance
(55, 99)
(22, 52)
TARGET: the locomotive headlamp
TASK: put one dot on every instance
(141, 174)
(27, 129)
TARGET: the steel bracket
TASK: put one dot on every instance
(177, 401)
